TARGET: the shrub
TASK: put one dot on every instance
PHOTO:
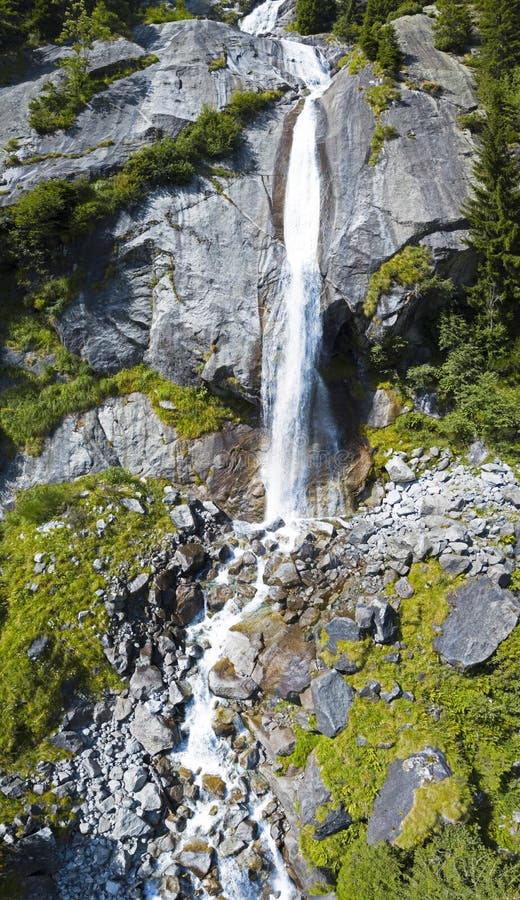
(409, 8)
(409, 268)
(220, 62)
(164, 12)
(381, 134)
(432, 87)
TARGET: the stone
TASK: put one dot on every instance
(224, 682)
(511, 495)
(138, 584)
(343, 629)
(312, 795)
(381, 409)
(284, 668)
(404, 589)
(332, 698)
(183, 519)
(213, 784)
(396, 797)
(132, 505)
(384, 622)
(145, 681)
(197, 856)
(283, 573)
(135, 778)
(38, 647)
(149, 798)
(223, 723)
(129, 825)
(36, 853)
(453, 564)
(191, 558)
(481, 616)
(152, 731)
(189, 602)
(399, 472)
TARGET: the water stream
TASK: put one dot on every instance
(295, 400)
(296, 410)
(263, 18)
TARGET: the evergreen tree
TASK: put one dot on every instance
(348, 23)
(499, 26)
(389, 55)
(493, 213)
(452, 28)
(315, 16)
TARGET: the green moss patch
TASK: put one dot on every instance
(46, 604)
(409, 268)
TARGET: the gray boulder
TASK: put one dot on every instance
(312, 794)
(332, 698)
(343, 629)
(396, 797)
(453, 564)
(152, 731)
(384, 622)
(482, 615)
(197, 856)
(190, 558)
(36, 853)
(399, 471)
(129, 825)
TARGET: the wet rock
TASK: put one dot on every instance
(189, 601)
(224, 722)
(152, 731)
(335, 820)
(214, 785)
(191, 558)
(224, 682)
(396, 797)
(332, 698)
(482, 615)
(286, 663)
(197, 856)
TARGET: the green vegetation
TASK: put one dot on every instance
(452, 28)
(315, 16)
(382, 133)
(474, 719)
(220, 62)
(33, 692)
(410, 268)
(31, 409)
(165, 12)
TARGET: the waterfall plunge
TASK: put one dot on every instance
(295, 400)
(263, 18)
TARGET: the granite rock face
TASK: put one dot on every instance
(372, 213)
(482, 615)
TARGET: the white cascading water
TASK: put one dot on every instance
(263, 18)
(295, 399)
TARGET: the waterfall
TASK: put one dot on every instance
(295, 400)
(263, 18)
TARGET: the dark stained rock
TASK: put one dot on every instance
(335, 820)
(343, 629)
(189, 600)
(384, 622)
(482, 615)
(396, 797)
(36, 853)
(67, 740)
(332, 698)
(191, 558)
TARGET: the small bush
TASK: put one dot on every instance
(381, 134)
(432, 87)
(164, 12)
(380, 96)
(220, 62)
(409, 8)
(408, 268)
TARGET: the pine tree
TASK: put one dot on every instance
(315, 16)
(499, 26)
(452, 28)
(493, 213)
(348, 23)
(389, 55)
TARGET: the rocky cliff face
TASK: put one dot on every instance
(183, 280)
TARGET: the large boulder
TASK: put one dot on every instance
(312, 794)
(332, 698)
(396, 797)
(152, 731)
(225, 682)
(482, 615)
